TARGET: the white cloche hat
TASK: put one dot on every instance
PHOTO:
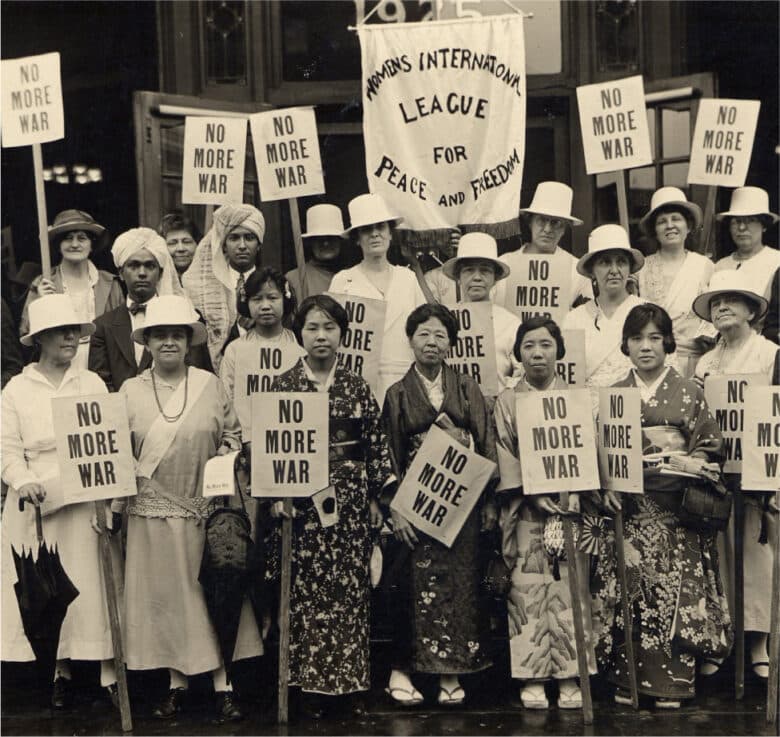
(171, 309)
(53, 311)
(731, 281)
(323, 220)
(554, 200)
(610, 237)
(476, 245)
(368, 209)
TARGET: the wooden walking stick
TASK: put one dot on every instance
(773, 686)
(577, 614)
(284, 613)
(628, 620)
(112, 597)
(739, 593)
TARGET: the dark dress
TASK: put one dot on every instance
(674, 583)
(439, 618)
(330, 594)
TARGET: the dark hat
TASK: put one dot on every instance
(69, 220)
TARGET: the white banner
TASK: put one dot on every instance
(444, 119)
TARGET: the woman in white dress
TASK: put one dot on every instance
(375, 277)
(29, 467)
(674, 276)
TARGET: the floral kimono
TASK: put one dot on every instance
(674, 583)
(330, 595)
(439, 622)
(541, 624)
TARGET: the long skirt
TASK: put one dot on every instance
(677, 599)
(85, 633)
(167, 624)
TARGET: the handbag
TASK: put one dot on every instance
(705, 506)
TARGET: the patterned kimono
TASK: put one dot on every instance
(439, 624)
(541, 625)
(330, 595)
(674, 584)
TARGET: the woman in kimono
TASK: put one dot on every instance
(674, 276)
(609, 262)
(439, 624)
(733, 306)
(541, 629)
(375, 277)
(180, 417)
(330, 593)
(30, 468)
(673, 576)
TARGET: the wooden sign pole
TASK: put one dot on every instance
(295, 218)
(628, 620)
(707, 241)
(112, 596)
(40, 201)
(622, 198)
(576, 605)
(284, 613)
(773, 686)
(739, 593)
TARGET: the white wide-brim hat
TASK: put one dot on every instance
(727, 281)
(552, 199)
(369, 209)
(53, 311)
(323, 220)
(670, 197)
(476, 246)
(610, 237)
(171, 309)
(747, 201)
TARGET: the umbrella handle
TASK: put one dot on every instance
(38, 520)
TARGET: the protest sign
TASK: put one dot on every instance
(723, 142)
(213, 161)
(361, 344)
(620, 439)
(761, 439)
(287, 153)
(219, 478)
(571, 368)
(441, 486)
(32, 100)
(539, 284)
(613, 120)
(289, 443)
(556, 440)
(725, 397)
(94, 452)
(437, 102)
(474, 352)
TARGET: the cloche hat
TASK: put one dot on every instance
(171, 309)
(368, 209)
(69, 220)
(476, 245)
(554, 200)
(323, 220)
(610, 237)
(669, 197)
(748, 201)
(728, 281)
(53, 311)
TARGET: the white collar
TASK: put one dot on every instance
(314, 380)
(648, 390)
(235, 274)
(427, 383)
(31, 371)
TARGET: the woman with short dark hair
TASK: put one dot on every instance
(438, 625)
(673, 574)
(182, 236)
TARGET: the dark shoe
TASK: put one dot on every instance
(60, 693)
(113, 694)
(170, 705)
(227, 708)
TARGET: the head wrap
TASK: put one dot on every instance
(229, 217)
(132, 241)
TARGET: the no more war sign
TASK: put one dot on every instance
(213, 164)
(761, 441)
(620, 439)
(474, 352)
(289, 443)
(94, 452)
(556, 441)
(32, 100)
(287, 153)
(613, 119)
(441, 486)
(723, 142)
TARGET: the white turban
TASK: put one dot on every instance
(135, 239)
(229, 217)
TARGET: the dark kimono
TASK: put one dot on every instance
(439, 624)
(331, 593)
(674, 584)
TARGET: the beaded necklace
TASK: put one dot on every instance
(169, 418)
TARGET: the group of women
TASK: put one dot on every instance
(684, 324)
